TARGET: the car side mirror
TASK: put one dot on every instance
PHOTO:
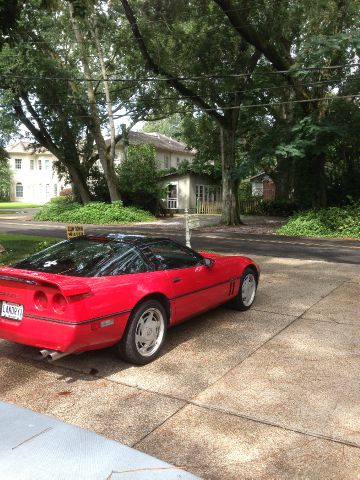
(208, 262)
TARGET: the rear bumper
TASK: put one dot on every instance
(64, 337)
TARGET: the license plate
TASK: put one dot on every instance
(14, 311)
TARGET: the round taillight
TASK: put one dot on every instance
(40, 300)
(59, 303)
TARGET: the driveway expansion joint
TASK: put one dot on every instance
(270, 423)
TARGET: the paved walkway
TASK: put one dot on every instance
(272, 393)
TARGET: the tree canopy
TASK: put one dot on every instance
(253, 86)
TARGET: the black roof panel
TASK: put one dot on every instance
(137, 240)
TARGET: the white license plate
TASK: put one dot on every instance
(12, 310)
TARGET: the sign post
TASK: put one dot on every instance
(191, 221)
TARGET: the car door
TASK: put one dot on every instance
(195, 287)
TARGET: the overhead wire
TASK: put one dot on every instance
(244, 106)
(185, 77)
(183, 98)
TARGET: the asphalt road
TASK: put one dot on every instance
(332, 250)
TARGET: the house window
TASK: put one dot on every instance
(18, 163)
(32, 164)
(207, 193)
(178, 161)
(19, 190)
(55, 190)
(40, 164)
(47, 164)
(167, 162)
(47, 190)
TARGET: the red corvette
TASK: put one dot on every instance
(116, 290)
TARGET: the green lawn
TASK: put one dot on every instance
(21, 246)
(17, 205)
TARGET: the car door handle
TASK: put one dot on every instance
(176, 279)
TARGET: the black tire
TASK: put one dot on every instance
(239, 302)
(130, 348)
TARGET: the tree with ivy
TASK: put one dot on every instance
(313, 46)
(5, 176)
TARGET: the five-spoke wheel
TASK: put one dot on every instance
(145, 333)
(247, 291)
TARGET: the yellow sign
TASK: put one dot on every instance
(73, 231)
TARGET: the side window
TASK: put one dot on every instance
(128, 262)
(171, 256)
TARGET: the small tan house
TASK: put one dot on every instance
(198, 193)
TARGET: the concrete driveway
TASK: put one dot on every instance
(272, 393)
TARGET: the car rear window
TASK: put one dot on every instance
(86, 258)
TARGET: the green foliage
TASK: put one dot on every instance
(21, 246)
(327, 222)
(64, 209)
(170, 126)
(245, 191)
(139, 178)
(198, 166)
(97, 185)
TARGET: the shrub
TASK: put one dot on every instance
(66, 192)
(139, 178)
(327, 222)
(63, 209)
(278, 208)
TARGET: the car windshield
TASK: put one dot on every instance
(85, 257)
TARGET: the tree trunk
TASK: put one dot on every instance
(107, 164)
(317, 168)
(230, 185)
(79, 182)
(282, 177)
(310, 182)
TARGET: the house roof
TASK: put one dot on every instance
(258, 176)
(173, 175)
(24, 146)
(160, 141)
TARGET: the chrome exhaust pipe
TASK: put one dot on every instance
(44, 353)
(56, 355)
(52, 355)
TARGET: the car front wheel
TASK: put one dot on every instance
(247, 291)
(145, 333)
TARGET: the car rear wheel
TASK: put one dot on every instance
(145, 333)
(247, 291)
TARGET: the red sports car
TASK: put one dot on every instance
(116, 290)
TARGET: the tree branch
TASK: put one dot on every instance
(158, 70)
(280, 60)
(41, 136)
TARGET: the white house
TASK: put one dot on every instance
(34, 179)
(169, 152)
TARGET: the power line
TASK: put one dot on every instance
(273, 104)
(226, 92)
(169, 34)
(185, 78)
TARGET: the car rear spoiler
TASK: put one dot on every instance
(69, 286)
